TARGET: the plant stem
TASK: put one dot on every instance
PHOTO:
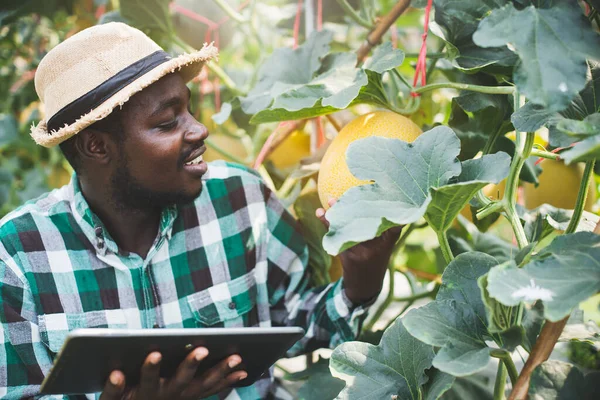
(351, 12)
(581, 197)
(381, 28)
(227, 81)
(466, 86)
(545, 154)
(445, 246)
(233, 14)
(506, 358)
(500, 384)
(416, 296)
(540, 353)
(227, 154)
(489, 145)
(429, 55)
(522, 152)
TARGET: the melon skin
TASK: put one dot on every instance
(334, 176)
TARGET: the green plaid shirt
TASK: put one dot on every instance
(232, 258)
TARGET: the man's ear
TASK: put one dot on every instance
(95, 146)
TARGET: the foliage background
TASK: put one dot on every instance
(29, 29)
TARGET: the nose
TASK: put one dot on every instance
(195, 132)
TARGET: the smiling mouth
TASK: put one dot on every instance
(197, 156)
(195, 161)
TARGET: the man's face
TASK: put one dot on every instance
(158, 161)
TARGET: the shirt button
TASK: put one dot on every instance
(232, 305)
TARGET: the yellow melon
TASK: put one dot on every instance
(334, 176)
(559, 185)
(293, 149)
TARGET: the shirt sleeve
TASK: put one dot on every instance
(25, 359)
(327, 315)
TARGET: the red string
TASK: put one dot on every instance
(553, 151)
(394, 33)
(421, 69)
(297, 24)
(100, 11)
(320, 15)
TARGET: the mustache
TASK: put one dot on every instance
(185, 155)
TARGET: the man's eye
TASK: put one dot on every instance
(167, 126)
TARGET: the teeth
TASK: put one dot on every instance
(195, 161)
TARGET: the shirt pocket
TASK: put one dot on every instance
(54, 328)
(225, 303)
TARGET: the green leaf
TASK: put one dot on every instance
(313, 231)
(9, 131)
(147, 14)
(562, 381)
(586, 150)
(449, 200)
(561, 275)
(581, 129)
(299, 79)
(222, 115)
(439, 383)
(532, 117)
(477, 116)
(455, 321)
(320, 383)
(546, 219)
(384, 58)
(469, 387)
(404, 174)
(552, 44)
(280, 114)
(458, 20)
(396, 367)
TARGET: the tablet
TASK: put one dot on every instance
(89, 355)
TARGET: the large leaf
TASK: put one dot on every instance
(456, 320)
(449, 200)
(319, 384)
(561, 381)
(384, 58)
(552, 44)
(147, 14)
(298, 79)
(458, 20)
(561, 275)
(405, 176)
(589, 130)
(396, 367)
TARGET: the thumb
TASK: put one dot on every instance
(320, 213)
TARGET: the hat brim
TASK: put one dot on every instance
(188, 65)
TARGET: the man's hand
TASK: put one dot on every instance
(365, 264)
(182, 386)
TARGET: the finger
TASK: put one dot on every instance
(215, 376)
(186, 370)
(230, 380)
(115, 384)
(150, 376)
(331, 202)
(225, 383)
(320, 213)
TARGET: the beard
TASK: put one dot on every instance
(128, 194)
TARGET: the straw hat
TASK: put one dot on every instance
(84, 78)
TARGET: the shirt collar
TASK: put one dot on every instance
(94, 229)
